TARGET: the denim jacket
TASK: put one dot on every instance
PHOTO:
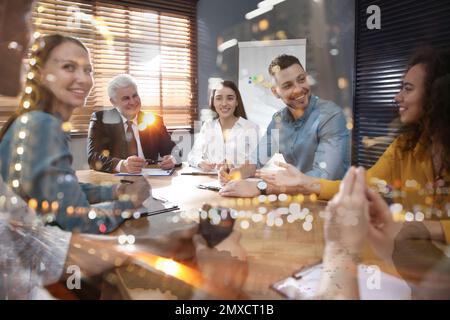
(36, 162)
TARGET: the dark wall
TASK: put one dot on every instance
(327, 25)
(380, 60)
(213, 17)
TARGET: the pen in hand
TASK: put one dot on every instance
(226, 166)
(126, 181)
(151, 161)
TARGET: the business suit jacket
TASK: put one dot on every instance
(107, 144)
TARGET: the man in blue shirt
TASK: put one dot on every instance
(309, 132)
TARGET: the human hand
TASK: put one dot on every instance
(382, 229)
(227, 172)
(137, 192)
(347, 214)
(224, 173)
(224, 268)
(240, 188)
(132, 164)
(290, 177)
(167, 162)
(207, 166)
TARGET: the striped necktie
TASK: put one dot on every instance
(131, 140)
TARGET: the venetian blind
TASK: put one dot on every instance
(380, 61)
(154, 41)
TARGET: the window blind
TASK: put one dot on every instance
(153, 41)
(380, 60)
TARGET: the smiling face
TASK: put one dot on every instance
(128, 102)
(291, 86)
(411, 97)
(68, 75)
(225, 102)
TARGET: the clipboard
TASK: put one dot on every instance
(301, 284)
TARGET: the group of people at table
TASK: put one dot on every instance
(42, 197)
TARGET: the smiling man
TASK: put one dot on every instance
(309, 132)
(124, 138)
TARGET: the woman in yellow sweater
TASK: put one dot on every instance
(415, 169)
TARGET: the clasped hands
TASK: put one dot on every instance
(135, 164)
(356, 214)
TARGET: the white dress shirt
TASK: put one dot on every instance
(136, 136)
(211, 146)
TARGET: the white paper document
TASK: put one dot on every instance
(271, 166)
(198, 170)
(373, 284)
(154, 205)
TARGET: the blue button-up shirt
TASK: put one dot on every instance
(318, 143)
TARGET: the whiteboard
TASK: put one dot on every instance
(254, 79)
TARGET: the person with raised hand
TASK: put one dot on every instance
(345, 232)
(357, 215)
(415, 169)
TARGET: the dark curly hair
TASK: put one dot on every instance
(439, 112)
(434, 124)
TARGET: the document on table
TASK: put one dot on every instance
(152, 172)
(193, 171)
(154, 205)
(373, 284)
(271, 166)
(213, 185)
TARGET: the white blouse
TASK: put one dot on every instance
(210, 145)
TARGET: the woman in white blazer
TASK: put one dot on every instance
(228, 138)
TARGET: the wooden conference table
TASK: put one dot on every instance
(275, 249)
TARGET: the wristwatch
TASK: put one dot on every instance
(262, 187)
